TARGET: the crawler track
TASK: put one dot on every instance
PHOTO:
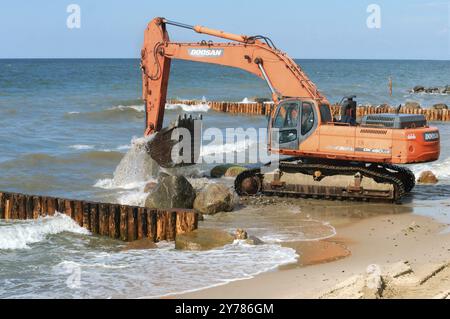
(401, 180)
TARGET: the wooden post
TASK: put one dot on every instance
(37, 207)
(69, 209)
(172, 226)
(132, 223)
(14, 206)
(166, 225)
(141, 223)
(151, 215)
(86, 216)
(21, 202)
(114, 221)
(2, 206)
(7, 206)
(93, 208)
(29, 207)
(123, 223)
(103, 212)
(61, 206)
(78, 212)
(186, 222)
(51, 206)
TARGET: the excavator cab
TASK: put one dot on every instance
(294, 121)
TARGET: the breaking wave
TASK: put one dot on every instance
(203, 108)
(81, 147)
(19, 235)
(132, 111)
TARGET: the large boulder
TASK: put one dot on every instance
(412, 106)
(213, 199)
(203, 239)
(440, 106)
(428, 177)
(172, 192)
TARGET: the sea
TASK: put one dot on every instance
(74, 129)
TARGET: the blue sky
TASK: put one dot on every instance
(414, 29)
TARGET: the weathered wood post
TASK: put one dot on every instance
(103, 217)
(86, 216)
(78, 212)
(114, 221)
(123, 223)
(2, 206)
(151, 215)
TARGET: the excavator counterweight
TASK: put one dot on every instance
(328, 158)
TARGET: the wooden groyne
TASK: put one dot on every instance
(267, 108)
(127, 223)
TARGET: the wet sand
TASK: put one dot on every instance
(365, 235)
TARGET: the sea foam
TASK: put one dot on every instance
(19, 235)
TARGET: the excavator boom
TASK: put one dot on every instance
(283, 76)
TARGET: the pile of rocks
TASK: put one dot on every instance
(177, 192)
(431, 90)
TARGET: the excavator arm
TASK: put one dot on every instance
(256, 55)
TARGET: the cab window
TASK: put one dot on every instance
(325, 113)
(287, 116)
(307, 118)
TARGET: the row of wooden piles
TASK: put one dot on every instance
(267, 108)
(127, 223)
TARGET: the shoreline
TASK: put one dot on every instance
(383, 240)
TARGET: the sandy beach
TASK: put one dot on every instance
(411, 252)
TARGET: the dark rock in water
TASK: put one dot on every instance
(440, 106)
(150, 187)
(418, 89)
(172, 192)
(412, 106)
(428, 177)
(241, 234)
(261, 99)
(252, 240)
(213, 199)
(203, 239)
(142, 244)
(432, 90)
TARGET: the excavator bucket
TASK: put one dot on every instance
(177, 145)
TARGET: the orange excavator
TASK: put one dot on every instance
(322, 157)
